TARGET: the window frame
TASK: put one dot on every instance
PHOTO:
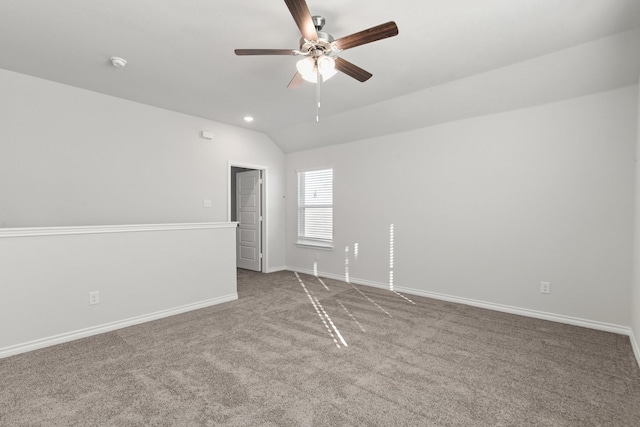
(301, 239)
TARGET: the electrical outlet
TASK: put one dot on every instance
(94, 298)
(545, 287)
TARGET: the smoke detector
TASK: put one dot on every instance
(118, 62)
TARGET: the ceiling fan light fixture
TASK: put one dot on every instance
(327, 74)
(326, 65)
(309, 66)
(306, 66)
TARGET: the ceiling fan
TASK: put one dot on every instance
(319, 49)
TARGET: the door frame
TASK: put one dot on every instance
(264, 209)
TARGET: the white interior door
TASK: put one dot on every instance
(248, 201)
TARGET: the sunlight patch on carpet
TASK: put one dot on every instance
(372, 301)
(322, 314)
(351, 315)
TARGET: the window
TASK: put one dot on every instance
(315, 208)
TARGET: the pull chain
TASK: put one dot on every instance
(318, 83)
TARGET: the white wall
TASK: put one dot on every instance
(74, 157)
(486, 208)
(635, 286)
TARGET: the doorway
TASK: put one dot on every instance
(246, 206)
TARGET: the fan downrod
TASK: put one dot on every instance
(318, 22)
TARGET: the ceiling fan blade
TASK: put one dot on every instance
(296, 81)
(352, 70)
(300, 12)
(266, 52)
(372, 34)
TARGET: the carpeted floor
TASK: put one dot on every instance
(296, 352)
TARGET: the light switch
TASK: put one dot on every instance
(206, 203)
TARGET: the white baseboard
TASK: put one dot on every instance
(275, 269)
(107, 327)
(559, 318)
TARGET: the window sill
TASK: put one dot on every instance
(315, 245)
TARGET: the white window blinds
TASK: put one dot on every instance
(315, 206)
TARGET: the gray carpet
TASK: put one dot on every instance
(277, 357)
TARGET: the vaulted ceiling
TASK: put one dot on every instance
(452, 58)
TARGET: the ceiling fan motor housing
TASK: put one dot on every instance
(321, 46)
(317, 47)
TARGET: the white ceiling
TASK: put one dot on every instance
(180, 57)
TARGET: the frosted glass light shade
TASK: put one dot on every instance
(307, 68)
(326, 65)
